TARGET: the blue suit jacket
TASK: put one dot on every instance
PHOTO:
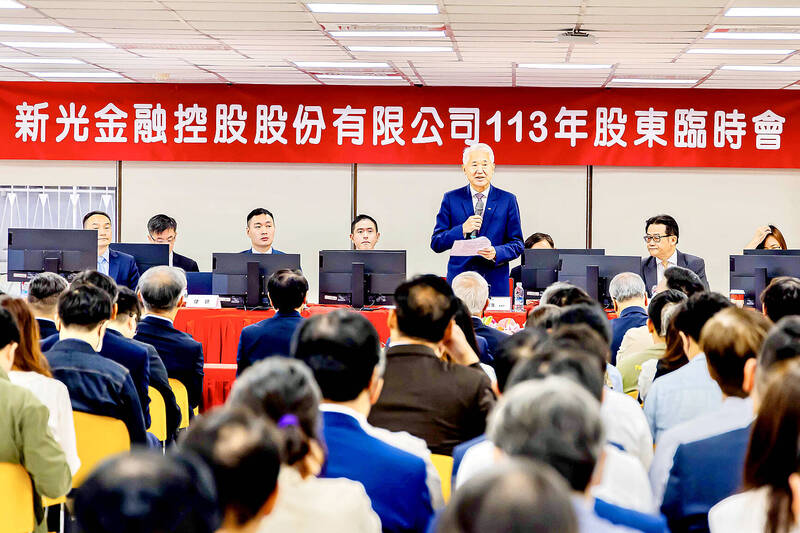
(250, 251)
(492, 336)
(181, 354)
(122, 267)
(394, 479)
(632, 317)
(46, 328)
(501, 225)
(186, 263)
(272, 336)
(692, 262)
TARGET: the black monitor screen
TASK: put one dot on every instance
(540, 266)
(231, 282)
(64, 251)
(770, 252)
(360, 277)
(746, 273)
(146, 255)
(574, 270)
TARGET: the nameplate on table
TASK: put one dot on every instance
(203, 301)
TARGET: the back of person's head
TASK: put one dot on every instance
(28, 357)
(148, 492)
(729, 339)
(9, 338)
(287, 289)
(84, 306)
(99, 280)
(591, 315)
(282, 390)
(782, 344)
(342, 348)
(674, 355)
(161, 287)
(583, 337)
(627, 286)
(657, 304)
(44, 290)
(668, 221)
(553, 420)
(781, 298)
(473, 290)
(538, 237)
(244, 454)
(562, 294)
(128, 305)
(698, 310)
(516, 496)
(543, 316)
(517, 347)
(684, 280)
(425, 305)
(463, 320)
(161, 223)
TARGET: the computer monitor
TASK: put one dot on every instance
(540, 266)
(770, 252)
(240, 280)
(63, 251)
(146, 255)
(752, 274)
(594, 272)
(360, 277)
(199, 283)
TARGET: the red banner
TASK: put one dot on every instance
(431, 125)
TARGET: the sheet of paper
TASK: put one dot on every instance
(469, 247)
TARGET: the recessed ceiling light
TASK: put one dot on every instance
(754, 36)
(66, 74)
(389, 33)
(400, 48)
(356, 77)
(563, 66)
(743, 51)
(763, 12)
(340, 64)
(54, 44)
(35, 28)
(10, 4)
(654, 80)
(395, 9)
(762, 68)
(40, 61)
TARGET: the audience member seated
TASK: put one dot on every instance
(537, 241)
(444, 403)
(163, 229)
(43, 292)
(30, 370)
(161, 291)
(562, 294)
(517, 495)
(283, 391)
(129, 313)
(688, 391)
(120, 266)
(631, 366)
(781, 298)
(674, 356)
(473, 290)
(287, 291)
(782, 344)
(148, 492)
(767, 238)
(364, 232)
(544, 316)
(244, 455)
(96, 385)
(343, 350)
(261, 232)
(24, 435)
(681, 279)
(699, 463)
(463, 320)
(661, 237)
(630, 300)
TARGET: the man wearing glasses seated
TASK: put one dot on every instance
(163, 229)
(662, 243)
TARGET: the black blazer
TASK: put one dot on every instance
(181, 354)
(159, 380)
(692, 262)
(181, 261)
(493, 336)
(272, 336)
(46, 328)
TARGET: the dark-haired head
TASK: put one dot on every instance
(287, 290)
(542, 239)
(160, 223)
(43, 292)
(698, 310)
(773, 240)
(562, 294)
(259, 211)
(684, 280)
(591, 315)
(99, 280)
(657, 304)
(9, 339)
(518, 347)
(544, 316)
(91, 214)
(84, 307)
(129, 312)
(28, 356)
(582, 337)
(360, 218)
(669, 223)
(781, 344)
(425, 306)
(781, 298)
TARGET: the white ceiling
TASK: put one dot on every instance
(256, 41)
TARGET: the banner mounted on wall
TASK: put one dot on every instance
(400, 125)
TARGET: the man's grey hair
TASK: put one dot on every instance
(45, 288)
(669, 310)
(477, 147)
(472, 289)
(161, 287)
(555, 287)
(626, 286)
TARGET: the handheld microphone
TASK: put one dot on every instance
(478, 211)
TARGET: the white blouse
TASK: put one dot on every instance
(53, 394)
(742, 513)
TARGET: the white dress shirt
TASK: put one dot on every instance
(743, 513)
(660, 268)
(256, 252)
(626, 426)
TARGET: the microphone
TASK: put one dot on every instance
(478, 211)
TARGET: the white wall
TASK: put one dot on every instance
(102, 173)
(718, 210)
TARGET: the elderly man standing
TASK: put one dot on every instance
(629, 296)
(480, 210)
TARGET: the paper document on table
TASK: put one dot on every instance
(469, 247)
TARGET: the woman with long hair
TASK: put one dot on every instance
(767, 238)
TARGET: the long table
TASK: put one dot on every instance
(219, 329)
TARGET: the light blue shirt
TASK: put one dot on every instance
(614, 377)
(103, 263)
(680, 396)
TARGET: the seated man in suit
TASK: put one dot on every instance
(662, 234)
(261, 232)
(96, 385)
(163, 229)
(161, 291)
(537, 241)
(120, 266)
(629, 297)
(43, 293)
(444, 403)
(287, 291)
(480, 210)
(364, 232)
(473, 290)
(343, 350)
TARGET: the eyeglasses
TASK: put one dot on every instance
(655, 238)
(160, 240)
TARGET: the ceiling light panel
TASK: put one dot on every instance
(34, 28)
(409, 34)
(763, 12)
(341, 64)
(378, 9)
(40, 61)
(68, 74)
(742, 51)
(400, 49)
(56, 44)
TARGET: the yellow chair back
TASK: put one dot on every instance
(444, 465)
(158, 415)
(16, 504)
(97, 438)
(182, 397)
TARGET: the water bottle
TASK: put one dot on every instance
(519, 298)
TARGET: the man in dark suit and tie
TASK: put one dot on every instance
(120, 266)
(261, 232)
(661, 237)
(161, 291)
(163, 229)
(473, 290)
(287, 291)
(480, 210)
(43, 293)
